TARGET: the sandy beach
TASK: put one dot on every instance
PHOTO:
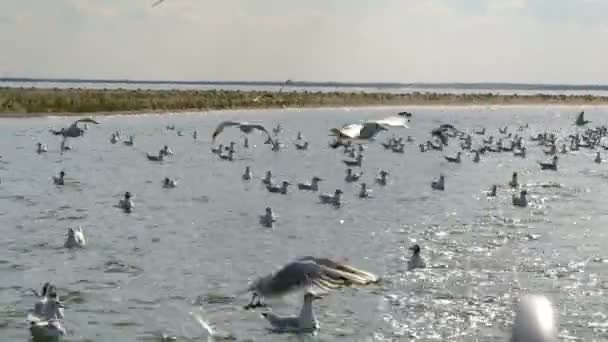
(33, 102)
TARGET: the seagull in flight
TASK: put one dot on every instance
(307, 273)
(73, 131)
(243, 126)
(157, 2)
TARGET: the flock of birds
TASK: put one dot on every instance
(316, 276)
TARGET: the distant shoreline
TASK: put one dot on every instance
(36, 102)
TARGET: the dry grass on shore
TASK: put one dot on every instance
(26, 102)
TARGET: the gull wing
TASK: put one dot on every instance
(259, 127)
(87, 120)
(221, 127)
(370, 129)
(393, 121)
(351, 131)
(352, 274)
(158, 2)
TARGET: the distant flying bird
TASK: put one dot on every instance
(580, 120)
(244, 127)
(158, 2)
(364, 131)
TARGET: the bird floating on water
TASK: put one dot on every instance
(520, 200)
(75, 238)
(126, 204)
(312, 186)
(129, 142)
(305, 322)
(268, 219)
(454, 159)
(351, 176)
(439, 184)
(514, 183)
(247, 175)
(382, 178)
(334, 199)
(357, 162)
(364, 191)
(416, 260)
(41, 148)
(169, 183)
(46, 321)
(552, 165)
(59, 180)
(158, 157)
(598, 157)
(278, 189)
(492, 192)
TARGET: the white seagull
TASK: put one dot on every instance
(243, 126)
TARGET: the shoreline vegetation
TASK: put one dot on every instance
(32, 102)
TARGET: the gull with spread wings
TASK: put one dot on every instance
(308, 273)
(245, 127)
(73, 131)
(369, 129)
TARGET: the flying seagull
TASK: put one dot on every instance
(580, 120)
(73, 131)
(244, 126)
(307, 273)
(157, 2)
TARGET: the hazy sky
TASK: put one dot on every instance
(546, 41)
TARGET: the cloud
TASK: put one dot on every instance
(343, 40)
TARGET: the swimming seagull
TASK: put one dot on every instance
(357, 162)
(169, 183)
(364, 192)
(492, 192)
(301, 147)
(73, 131)
(332, 199)
(513, 183)
(416, 260)
(166, 151)
(305, 322)
(552, 165)
(59, 180)
(312, 186)
(75, 238)
(454, 159)
(534, 320)
(521, 200)
(41, 148)
(129, 142)
(158, 158)
(126, 203)
(438, 184)
(352, 177)
(46, 320)
(278, 189)
(308, 273)
(598, 158)
(268, 218)
(243, 126)
(268, 178)
(247, 175)
(381, 179)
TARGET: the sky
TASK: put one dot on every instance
(530, 41)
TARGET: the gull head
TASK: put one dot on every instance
(415, 249)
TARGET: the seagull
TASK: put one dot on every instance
(381, 179)
(247, 175)
(40, 148)
(157, 2)
(552, 165)
(158, 158)
(514, 183)
(312, 186)
(278, 189)
(59, 180)
(268, 218)
(75, 238)
(364, 192)
(305, 322)
(268, 178)
(365, 131)
(598, 158)
(308, 273)
(492, 192)
(357, 162)
(352, 177)
(439, 184)
(521, 200)
(580, 120)
(169, 183)
(416, 260)
(126, 204)
(46, 320)
(332, 199)
(534, 320)
(73, 131)
(129, 142)
(302, 147)
(476, 157)
(441, 132)
(243, 126)
(454, 159)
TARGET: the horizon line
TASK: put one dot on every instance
(289, 82)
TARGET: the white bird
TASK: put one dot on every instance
(243, 126)
(278, 189)
(268, 178)
(305, 322)
(158, 158)
(114, 138)
(334, 199)
(268, 218)
(366, 131)
(166, 151)
(308, 273)
(247, 175)
(393, 121)
(301, 146)
(416, 260)
(59, 180)
(352, 177)
(454, 159)
(534, 320)
(75, 238)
